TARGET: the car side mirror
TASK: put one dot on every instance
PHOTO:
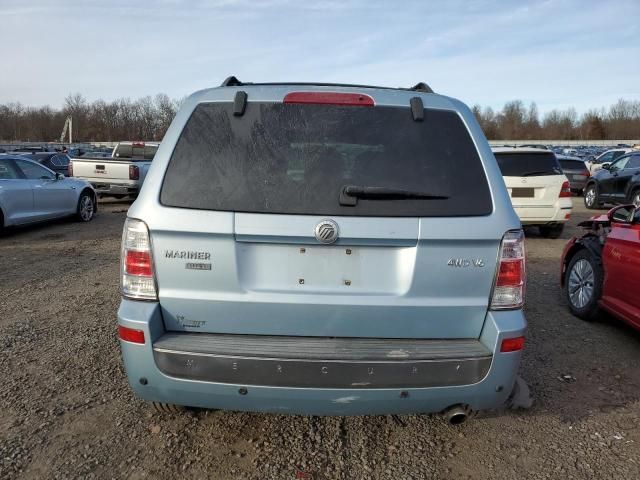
(606, 166)
(59, 176)
(622, 214)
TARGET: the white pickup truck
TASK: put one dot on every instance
(120, 175)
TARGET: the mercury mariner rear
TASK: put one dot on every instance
(326, 250)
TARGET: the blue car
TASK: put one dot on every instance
(30, 193)
(323, 249)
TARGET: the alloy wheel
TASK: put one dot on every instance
(86, 208)
(581, 284)
(590, 196)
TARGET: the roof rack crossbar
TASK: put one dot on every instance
(234, 82)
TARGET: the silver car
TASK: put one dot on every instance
(326, 250)
(30, 192)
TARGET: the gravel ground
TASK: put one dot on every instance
(66, 410)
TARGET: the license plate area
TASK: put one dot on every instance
(522, 193)
(325, 269)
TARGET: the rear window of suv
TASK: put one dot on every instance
(573, 164)
(296, 159)
(528, 164)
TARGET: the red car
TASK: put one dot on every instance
(601, 269)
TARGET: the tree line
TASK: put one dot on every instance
(148, 118)
(516, 122)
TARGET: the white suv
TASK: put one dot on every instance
(539, 191)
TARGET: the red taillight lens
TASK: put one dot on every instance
(70, 169)
(510, 274)
(137, 278)
(512, 344)
(134, 172)
(138, 263)
(330, 98)
(130, 335)
(565, 191)
(509, 287)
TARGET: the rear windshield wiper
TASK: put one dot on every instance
(351, 193)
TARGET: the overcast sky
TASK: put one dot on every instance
(557, 53)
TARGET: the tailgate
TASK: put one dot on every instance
(410, 279)
(537, 191)
(101, 170)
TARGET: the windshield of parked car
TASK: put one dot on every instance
(296, 159)
(528, 164)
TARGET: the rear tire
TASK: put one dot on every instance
(161, 407)
(551, 231)
(86, 207)
(583, 285)
(591, 200)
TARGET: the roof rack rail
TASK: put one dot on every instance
(232, 81)
(422, 87)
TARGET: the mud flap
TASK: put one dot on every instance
(520, 397)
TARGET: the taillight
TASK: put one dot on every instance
(130, 335)
(137, 276)
(134, 172)
(512, 344)
(70, 169)
(565, 191)
(330, 98)
(509, 287)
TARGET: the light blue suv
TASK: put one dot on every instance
(323, 249)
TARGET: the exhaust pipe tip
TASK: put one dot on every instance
(457, 414)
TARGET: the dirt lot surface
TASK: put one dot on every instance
(66, 410)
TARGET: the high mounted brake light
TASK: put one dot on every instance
(137, 274)
(137, 144)
(509, 287)
(565, 190)
(329, 98)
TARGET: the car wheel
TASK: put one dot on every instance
(551, 231)
(86, 207)
(583, 284)
(635, 198)
(591, 197)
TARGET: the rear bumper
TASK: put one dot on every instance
(319, 386)
(533, 215)
(113, 189)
